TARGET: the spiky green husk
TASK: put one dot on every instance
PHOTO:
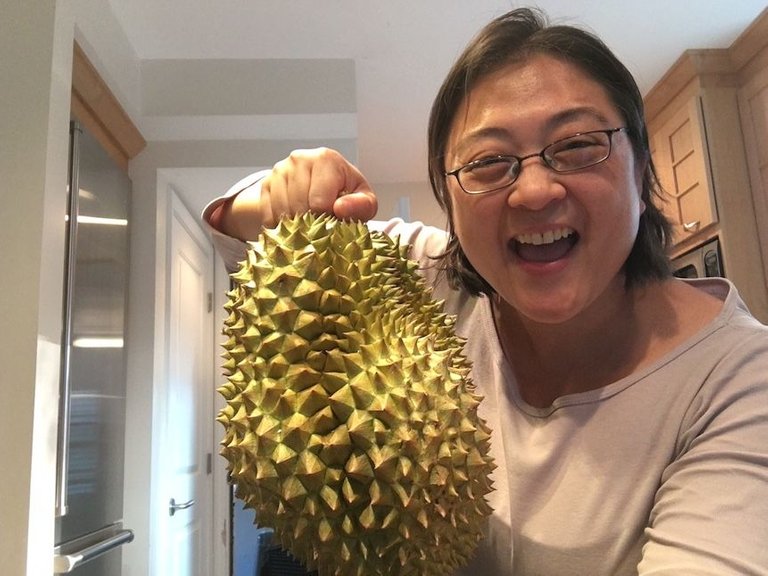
(351, 421)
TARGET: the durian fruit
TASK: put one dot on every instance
(351, 421)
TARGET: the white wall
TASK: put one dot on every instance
(34, 117)
(36, 44)
(420, 201)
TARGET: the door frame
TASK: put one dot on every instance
(219, 543)
(222, 489)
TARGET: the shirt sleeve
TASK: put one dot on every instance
(710, 515)
(232, 250)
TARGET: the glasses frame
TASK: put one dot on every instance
(541, 154)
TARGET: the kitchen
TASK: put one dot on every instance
(36, 260)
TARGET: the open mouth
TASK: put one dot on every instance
(545, 247)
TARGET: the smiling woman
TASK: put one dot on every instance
(616, 393)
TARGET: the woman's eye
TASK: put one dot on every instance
(493, 162)
(489, 166)
(576, 143)
(486, 172)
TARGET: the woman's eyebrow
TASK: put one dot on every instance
(481, 133)
(578, 113)
(555, 121)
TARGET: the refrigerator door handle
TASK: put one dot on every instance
(65, 563)
(62, 449)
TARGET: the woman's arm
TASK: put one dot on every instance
(711, 510)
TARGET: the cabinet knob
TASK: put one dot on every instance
(692, 226)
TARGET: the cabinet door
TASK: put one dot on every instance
(682, 159)
(753, 106)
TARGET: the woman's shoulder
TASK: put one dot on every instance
(732, 311)
(689, 306)
(701, 325)
(732, 341)
(425, 246)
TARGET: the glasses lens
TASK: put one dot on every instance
(489, 174)
(578, 151)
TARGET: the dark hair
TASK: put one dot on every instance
(514, 37)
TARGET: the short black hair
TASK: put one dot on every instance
(513, 37)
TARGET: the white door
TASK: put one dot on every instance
(188, 431)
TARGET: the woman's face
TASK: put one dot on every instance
(511, 235)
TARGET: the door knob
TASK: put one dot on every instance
(172, 506)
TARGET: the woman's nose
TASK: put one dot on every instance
(536, 186)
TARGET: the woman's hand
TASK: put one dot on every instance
(319, 180)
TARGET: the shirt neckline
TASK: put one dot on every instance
(720, 288)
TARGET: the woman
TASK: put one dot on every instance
(629, 408)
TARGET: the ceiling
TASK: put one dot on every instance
(400, 51)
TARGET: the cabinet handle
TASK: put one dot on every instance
(692, 226)
(172, 506)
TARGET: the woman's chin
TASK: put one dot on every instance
(550, 317)
(547, 310)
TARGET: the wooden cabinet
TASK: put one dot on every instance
(750, 56)
(753, 100)
(681, 156)
(700, 155)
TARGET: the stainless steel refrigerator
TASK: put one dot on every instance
(89, 500)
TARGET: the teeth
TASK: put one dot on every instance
(547, 237)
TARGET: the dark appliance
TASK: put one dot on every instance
(704, 261)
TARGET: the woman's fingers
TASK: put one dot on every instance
(320, 180)
(361, 205)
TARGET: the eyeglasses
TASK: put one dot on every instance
(566, 155)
